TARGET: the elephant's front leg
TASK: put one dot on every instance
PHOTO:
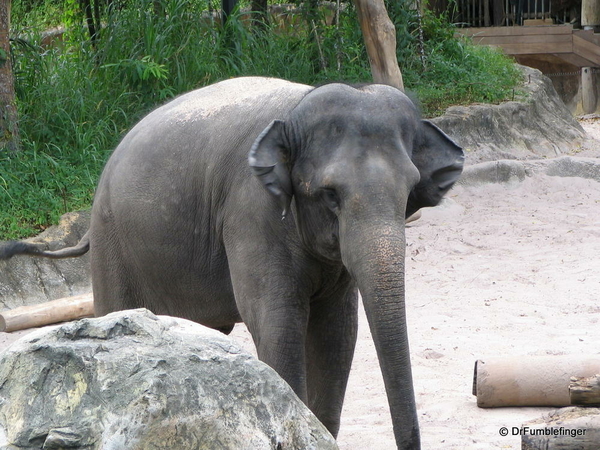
(277, 323)
(278, 328)
(331, 339)
(275, 309)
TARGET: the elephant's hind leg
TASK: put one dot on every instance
(331, 339)
(112, 281)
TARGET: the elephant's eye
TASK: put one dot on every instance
(331, 199)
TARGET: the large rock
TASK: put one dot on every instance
(538, 125)
(132, 380)
(511, 171)
(25, 280)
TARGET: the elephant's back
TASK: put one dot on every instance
(203, 130)
(230, 97)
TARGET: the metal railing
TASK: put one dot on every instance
(485, 13)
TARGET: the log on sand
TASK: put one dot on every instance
(61, 310)
(530, 380)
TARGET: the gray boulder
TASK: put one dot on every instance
(512, 172)
(132, 380)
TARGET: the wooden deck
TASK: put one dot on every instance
(578, 47)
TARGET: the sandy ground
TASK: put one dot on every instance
(496, 270)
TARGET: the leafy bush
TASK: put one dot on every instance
(76, 100)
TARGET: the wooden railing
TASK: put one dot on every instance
(486, 13)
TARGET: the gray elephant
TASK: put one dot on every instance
(269, 202)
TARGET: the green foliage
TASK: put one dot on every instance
(37, 13)
(77, 100)
(455, 70)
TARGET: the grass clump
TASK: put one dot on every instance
(78, 98)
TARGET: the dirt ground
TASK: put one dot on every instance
(496, 270)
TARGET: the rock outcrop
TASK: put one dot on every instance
(511, 171)
(132, 380)
(538, 125)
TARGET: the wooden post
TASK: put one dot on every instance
(585, 391)
(588, 90)
(590, 20)
(379, 35)
(590, 15)
(61, 310)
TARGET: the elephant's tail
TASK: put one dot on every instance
(12, 248)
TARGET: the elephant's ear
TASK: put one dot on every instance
(268, 159)
(440, 162)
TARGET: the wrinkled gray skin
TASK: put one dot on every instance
(187, 221)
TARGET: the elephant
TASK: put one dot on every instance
(272, 203)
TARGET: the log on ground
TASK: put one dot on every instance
(61, 310)
(530, 380)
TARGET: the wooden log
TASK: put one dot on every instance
(590, 14)
(61, 310)
(570, 428)
(379, 35)
(531, 380)
(588, 90)
(585, 390)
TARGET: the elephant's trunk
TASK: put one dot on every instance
(374, 254)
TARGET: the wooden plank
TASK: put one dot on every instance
(534, 49)
(587, 50)
(517, 31)
(537, 22)
(514, 40)
(588, 35)
(581, 47)
(574, 59)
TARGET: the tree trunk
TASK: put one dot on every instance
(260, 17)
(379, 34)
(89, 17)
(227, 7)
(9, 130)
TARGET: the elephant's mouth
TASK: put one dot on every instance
(331, 250)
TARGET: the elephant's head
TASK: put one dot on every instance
(357, 162)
